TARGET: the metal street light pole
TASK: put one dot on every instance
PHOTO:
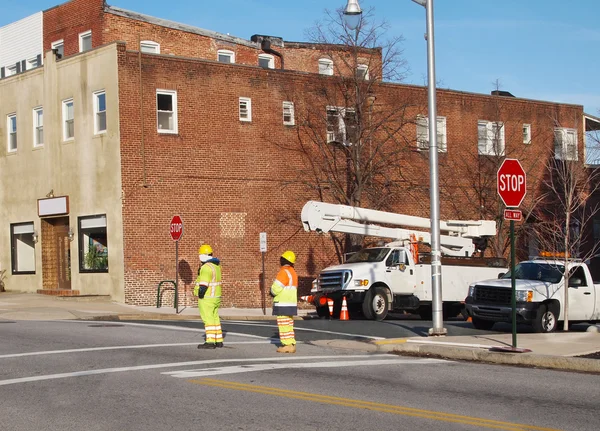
(353, 13)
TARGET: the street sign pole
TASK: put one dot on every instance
(263, 250)
(176, 272)
(176, 231)
(513, 284)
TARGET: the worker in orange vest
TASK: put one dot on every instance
(285, 301)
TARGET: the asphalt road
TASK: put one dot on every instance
(76, 375)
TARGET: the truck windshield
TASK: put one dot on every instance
(538, 271)
(369, 255)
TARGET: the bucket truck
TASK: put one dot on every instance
(396, 276)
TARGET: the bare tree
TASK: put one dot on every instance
(350, 137)
(566, 217)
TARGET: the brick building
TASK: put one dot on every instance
(112, 142)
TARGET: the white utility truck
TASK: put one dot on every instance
(540, 295)
(396, 276)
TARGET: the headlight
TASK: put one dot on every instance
(363, 282)
(471, 290)
(524, 295)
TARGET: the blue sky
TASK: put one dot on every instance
(537, 49)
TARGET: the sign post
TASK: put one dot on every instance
(176, 231)
(263, 250)
(512, 188)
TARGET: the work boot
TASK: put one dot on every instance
(207, 346)
(290, 348)
(219, 344)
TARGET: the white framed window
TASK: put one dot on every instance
(490, 138)
(85, 41)
(565, 144)
(38, 127)
(68, 115)
(93, 243)
(225, 56)
(22, 242)
(245, 109)
(59, 46)
(527, 133)
(362, 71)
(11, 129)
(423, 133)
(32, 63)
(341, 125)
(166, 111)
(11, 70)
(150, 47)
(266, 61)
(325, 66)
(99, 112)
(288, 114)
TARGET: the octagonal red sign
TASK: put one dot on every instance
(512, 183)
(176, 228)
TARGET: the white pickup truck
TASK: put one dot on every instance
(540, 285)
(381, 279)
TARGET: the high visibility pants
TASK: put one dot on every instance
(286, 330)
(209, 313)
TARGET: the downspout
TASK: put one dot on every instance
(142, 113)
(265, 45)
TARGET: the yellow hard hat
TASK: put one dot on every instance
(289, 256)
(205, 249)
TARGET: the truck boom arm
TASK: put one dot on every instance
(325, 217)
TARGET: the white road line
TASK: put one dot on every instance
(139, 346)
(169, 365)
(298, 329)
(236, 369)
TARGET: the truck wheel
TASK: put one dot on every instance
(376, 305)
(484, 325)
(545, 320)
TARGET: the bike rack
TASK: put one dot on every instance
(158, 292)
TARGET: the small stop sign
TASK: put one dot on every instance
(176, 228)
(512, 183)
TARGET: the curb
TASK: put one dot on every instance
(485, 356)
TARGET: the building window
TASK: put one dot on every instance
(325, 66)
(362, 71)
(527, 133)
(68, 120)
(85, 41)
(166, 106)
(565, 144)
(341, 125)
(490, 135)
(149, 47)
(423, 133)
(32, 63)
(99, 112)
(93, 244)
(266, 61)
(288, 114)
(11, 127)
(59, 46)
(225, 56)
(11, 70)
(22, 247)
(38, 127)
(245, 109)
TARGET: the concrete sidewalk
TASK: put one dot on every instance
(557, 350)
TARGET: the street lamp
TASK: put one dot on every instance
(352, 15)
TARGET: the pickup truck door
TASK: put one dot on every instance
(399, 273)
(582, 295)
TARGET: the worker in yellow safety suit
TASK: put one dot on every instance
(285, 301)
(208, 291)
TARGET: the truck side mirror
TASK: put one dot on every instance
(501, 274)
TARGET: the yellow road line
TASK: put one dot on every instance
(368, 405)
(391, 341)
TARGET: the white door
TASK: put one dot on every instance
(582, 297)
(398, 272)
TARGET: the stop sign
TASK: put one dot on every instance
(512, 183)
(176, 228)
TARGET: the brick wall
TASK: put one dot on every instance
(67, 20)
(231, 180)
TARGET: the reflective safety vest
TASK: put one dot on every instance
(210, 276)
(285, 292)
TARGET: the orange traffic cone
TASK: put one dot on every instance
(469, 319)
(330, 303)
(308, 298)
(344, 313)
